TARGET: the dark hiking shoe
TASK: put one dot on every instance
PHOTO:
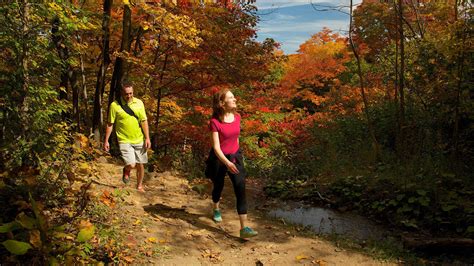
(125, 176)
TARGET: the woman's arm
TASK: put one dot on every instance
(217, 149)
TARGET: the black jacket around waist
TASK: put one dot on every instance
(213, 164)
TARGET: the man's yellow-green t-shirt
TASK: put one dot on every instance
(126, 126)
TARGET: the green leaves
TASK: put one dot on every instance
(9, 227)
(86, 231)
(16, 247)
(26, 221)
(22, 221)
(85, 234)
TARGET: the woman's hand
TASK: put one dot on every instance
(232, 168)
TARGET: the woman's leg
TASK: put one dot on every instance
(238, 182)
(218, 186)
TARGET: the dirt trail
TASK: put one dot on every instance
(170, 224)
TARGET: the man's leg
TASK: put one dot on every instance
(128, 156)
(141, 159)
(140, 175)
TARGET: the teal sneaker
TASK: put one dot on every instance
(217, 216)
(247, 232)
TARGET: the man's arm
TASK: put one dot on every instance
(144, 124)
(108, 131)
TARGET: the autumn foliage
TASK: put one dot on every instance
(305, 126)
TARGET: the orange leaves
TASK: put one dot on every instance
(319, 60)
(254, 126)
(107, 199)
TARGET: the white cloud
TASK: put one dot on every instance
(317, 25)
(281, 17)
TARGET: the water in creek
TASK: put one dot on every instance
(324, 221)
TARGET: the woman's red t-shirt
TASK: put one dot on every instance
(228, 134)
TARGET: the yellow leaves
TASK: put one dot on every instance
(187, 62)
(146, 25)
(84, 168)
(301, 257)
(81, 141)
(153, 240)
(179, 28)
(172, 112)
(126, 2)
(54, 6)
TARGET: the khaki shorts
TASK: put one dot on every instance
(133, 153)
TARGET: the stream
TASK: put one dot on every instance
(325, 221)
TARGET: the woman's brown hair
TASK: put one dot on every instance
(217, 100)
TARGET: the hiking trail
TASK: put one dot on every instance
(170, 224)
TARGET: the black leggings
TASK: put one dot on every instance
(238, 182)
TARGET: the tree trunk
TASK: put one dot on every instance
(362, 89)
(120, 66)
(68, 73)
(460, 76)
(74, 80)
(63, 55)
(401, 136)
(84, 94)
(396, 88)
(158, 104)
(25, 17)
(98, 120)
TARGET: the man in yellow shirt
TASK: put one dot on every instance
(131, 126)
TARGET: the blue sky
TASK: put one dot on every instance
(293, 22)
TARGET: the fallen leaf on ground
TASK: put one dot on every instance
(212, 256)
(107, 199)
(319, 262)
(128, 259)
(301, 257)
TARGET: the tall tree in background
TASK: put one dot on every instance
(362, 86)
(121, 64)
(69, 73)
(97, 120)
(401, 81)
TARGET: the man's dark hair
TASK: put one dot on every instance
(126, 84)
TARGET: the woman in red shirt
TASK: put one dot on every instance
(225, 157)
